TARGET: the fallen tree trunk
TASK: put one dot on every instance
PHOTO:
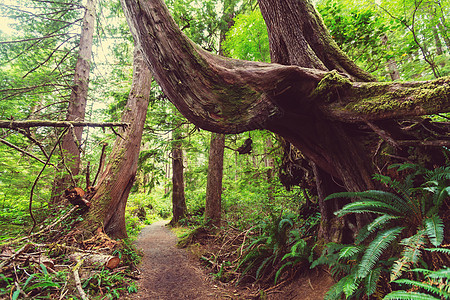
(91, 259)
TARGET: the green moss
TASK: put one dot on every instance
(330, 84)
(378, 98)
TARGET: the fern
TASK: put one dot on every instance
(371, 281)
(435, 229)
(375, 249)
(370, 206)
(442, 250)
(410, 255)
(349, 251)
(409, 296)
(371, 227)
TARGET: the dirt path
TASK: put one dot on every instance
(167, 273)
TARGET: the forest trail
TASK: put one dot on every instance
(168, 273)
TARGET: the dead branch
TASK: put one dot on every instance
(101, 163)
(46, 123)
(91, 259)
(76, 277)
(12, 257)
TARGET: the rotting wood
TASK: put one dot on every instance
(91, 259)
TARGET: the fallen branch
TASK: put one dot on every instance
(76, 277)
(106, 260)
(43, 123)
(12, 257)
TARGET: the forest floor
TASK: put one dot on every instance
(168, 272)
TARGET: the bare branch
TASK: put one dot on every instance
(43, 123)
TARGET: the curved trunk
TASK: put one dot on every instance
(336, 123)
(109, 202)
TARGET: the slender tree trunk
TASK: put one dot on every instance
(77, 103)
(213, 207)
(179, 208)
(109, 202)
(391, 64)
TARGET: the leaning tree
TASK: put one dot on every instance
(312, 95)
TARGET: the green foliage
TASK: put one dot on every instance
(418, 207)
(435, 285)
(247, 38)
(276, 247)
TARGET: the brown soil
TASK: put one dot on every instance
(169, 273)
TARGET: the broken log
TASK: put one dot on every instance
(91, 259)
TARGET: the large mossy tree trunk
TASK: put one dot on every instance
(113, 188)
(77, 103)
(315, 97)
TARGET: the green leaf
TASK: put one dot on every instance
(349, 251)
(375, 249)
(371, 206)
(435, 229)
(408, 296)
(371, 281)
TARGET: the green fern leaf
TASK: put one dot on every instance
(435, 229)
(349, 251)
(335, 292)
(371, 206)
(424, 285)
(442, 250)
(376, 248)
(408, 296)
(371, 281)
(350, 286)
(410, 254)
(370, 228)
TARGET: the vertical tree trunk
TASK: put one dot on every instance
(213, 208)
(437, 41)
(391, 64)
(310, 45)
(179, 208)
(109, 202)
(77, 103)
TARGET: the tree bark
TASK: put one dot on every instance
(109, 202)
(78, 99)
(179, 207)
(319, 110)
(213, 206)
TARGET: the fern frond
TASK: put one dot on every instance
(439, 174)
(424, 285)
(379, 222)
(434, 229)
(349, 251)
(351, 284)
(410, 254)
(371, 281)
(371, 206)
(404, 295)
(442, 250)
(335, 292)
(376, 248)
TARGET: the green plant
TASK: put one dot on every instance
(276, 247)
(417, 207)
(435, 285)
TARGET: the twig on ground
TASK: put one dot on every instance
(76, 277)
